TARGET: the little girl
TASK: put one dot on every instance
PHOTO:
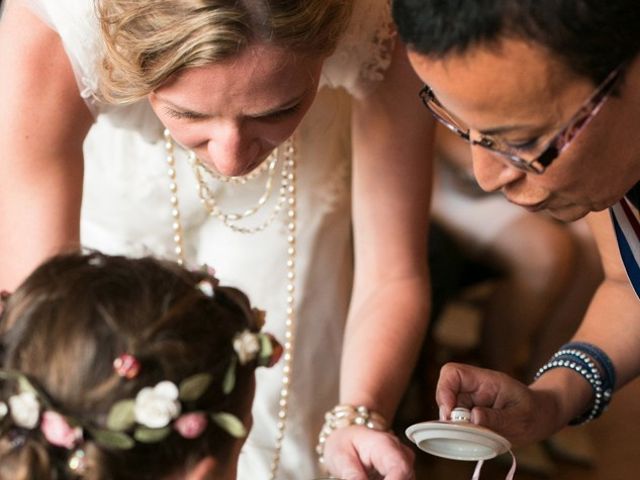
(117, 368)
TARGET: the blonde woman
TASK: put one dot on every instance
(148, 126)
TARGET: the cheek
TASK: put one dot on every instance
(277, 132)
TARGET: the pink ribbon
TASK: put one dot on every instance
(510, 475)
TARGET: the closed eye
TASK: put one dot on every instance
(273, 116)
(183, 115)
(524, 146)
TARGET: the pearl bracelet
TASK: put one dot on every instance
(580, 362)
(345, 415)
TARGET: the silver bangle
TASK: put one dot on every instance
(345, 415)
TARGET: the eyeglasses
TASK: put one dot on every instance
(516, 155)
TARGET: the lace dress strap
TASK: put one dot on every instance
(365, 50)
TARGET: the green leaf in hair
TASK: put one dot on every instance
(229, 381)
(192, 388)
(266, 349)
(114, 440)
(121, 416)
(151, 435)
(230, 424)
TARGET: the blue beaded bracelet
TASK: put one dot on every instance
(608, 370)
(577, 360)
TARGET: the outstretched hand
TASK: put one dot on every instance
(496, 401)
(359, 453)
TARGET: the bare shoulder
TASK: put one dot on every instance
(38, 88)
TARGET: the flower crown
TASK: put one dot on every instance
(149, 417)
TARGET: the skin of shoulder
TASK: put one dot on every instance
(612, 319)
(42, 128)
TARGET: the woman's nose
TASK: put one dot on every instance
(492, 172)
(231, 152)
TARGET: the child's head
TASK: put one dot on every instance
(89, 332)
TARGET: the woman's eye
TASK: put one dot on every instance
(182, 115)
(525, 145)
(282, 113)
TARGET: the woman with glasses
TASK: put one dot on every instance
(547, 94)
(276, 140)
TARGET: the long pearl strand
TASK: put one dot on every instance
(176, 223)
(288, 196)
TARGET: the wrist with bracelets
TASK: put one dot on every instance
(595, 367)
(346, 415)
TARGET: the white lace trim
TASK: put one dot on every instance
(337, 188)
(383, 43)
(365, 51)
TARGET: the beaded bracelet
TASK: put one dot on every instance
(345, 415)
(579, 361)
(608, 370)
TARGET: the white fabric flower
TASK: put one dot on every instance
(25, 409)
(206, 287)
(246, 345)
(156, 407)
(3, 410)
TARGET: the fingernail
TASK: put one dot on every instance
(443, 414)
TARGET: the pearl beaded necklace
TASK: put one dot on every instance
(287, 197)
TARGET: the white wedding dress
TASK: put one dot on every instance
(126, 210)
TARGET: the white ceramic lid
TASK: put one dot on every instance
(457, 440)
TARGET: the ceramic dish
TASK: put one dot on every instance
(457, 440)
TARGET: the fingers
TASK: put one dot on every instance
(488, 417)
(467, 386)
(400, 467)
(344, 463)
(358, 453)
(394, 460)
(455, 384)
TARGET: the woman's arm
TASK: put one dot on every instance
(43, 122)
(392, 142)
(525, 415)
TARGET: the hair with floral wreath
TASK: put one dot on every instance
(130, 368)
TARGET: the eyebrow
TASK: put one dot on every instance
(284, 106)
(182, 110)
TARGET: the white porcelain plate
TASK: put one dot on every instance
(457, 440)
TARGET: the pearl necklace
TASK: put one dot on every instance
(208, 199)
(287, 196)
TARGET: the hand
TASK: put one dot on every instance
(360, 453)
(496, 401)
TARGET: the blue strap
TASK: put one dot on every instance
(633, 270)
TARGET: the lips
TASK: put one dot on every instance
(531, 207)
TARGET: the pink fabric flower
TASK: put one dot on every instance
(127, 366)
(191, 425)
(58, 432)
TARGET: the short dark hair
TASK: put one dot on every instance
(591, 37)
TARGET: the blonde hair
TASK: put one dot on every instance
(146, 41)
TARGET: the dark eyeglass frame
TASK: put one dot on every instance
(555, 146)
